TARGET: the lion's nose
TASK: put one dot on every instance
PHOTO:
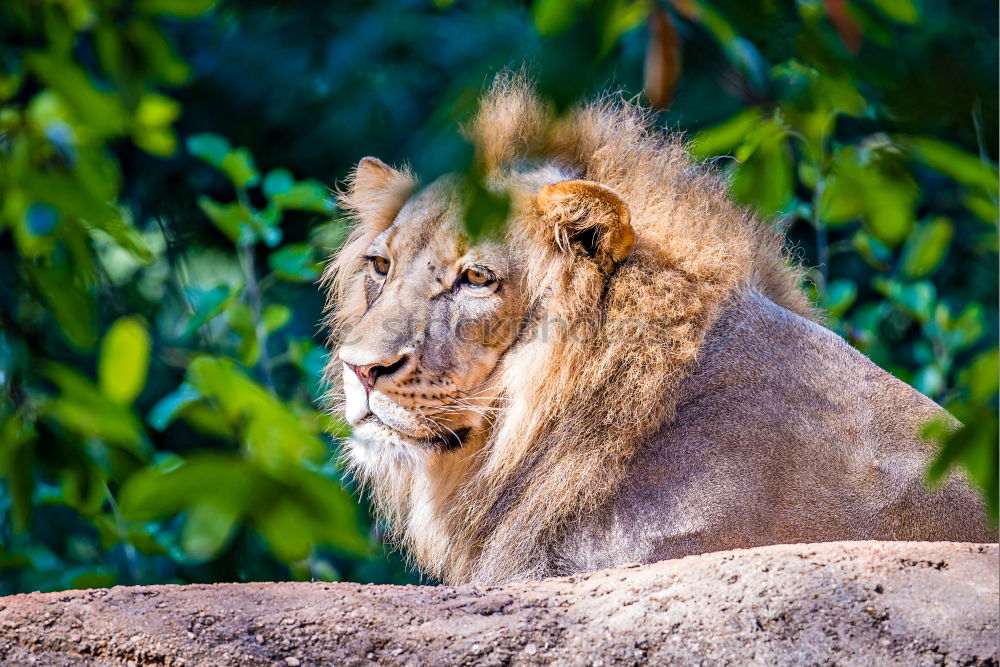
(370, 374)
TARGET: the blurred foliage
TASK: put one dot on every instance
(164, 209)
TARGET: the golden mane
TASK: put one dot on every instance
(578, 400)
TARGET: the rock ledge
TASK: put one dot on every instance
(911, 603)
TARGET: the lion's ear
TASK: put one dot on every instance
(588, 217)
(376, 191)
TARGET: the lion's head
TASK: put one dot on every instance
(434, 312)
(497, 389)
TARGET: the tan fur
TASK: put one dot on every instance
(571, 410)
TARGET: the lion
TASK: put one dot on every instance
(628, 372)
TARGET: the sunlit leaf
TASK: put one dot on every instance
(157, 110)
(308, 195)
(275, 316)
(101, 111)
(926, 247)
(179, 8)
(874, 184)
(232, 219)
(725, 137)
(238, 165)
(904, 11)
(241, 321)
(981, 378)
(271, 434)
(959, 164)
(765, 177)
(124, 360)
(982, 206)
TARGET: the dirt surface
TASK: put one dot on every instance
(870, 603)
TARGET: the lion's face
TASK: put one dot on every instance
(438, 314)
(426, 315)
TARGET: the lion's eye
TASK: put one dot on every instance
(380, 265)
(477, 278)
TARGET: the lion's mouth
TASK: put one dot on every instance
(447, 441)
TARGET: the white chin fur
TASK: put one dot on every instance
(376, 450)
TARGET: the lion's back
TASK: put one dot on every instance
(783, 434)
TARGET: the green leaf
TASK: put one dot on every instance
(242, 323)
(917, 299)
(167, 488)
(84, 409)
(239, 167)
(208, 528)
(72, 307)
(272, 435)
(974, 446)
(840, 295)
(178, 8)
(276, 182)
(873, 251)
(207, 304)
(982, 206)
(172, 405)
(970, 325)
(209, 147)
(153, 118)
(953, 161)
(275, 316)
(765, 178)
(313, 510)
(554, 16)
(981, 378)
(929, 380)
(485, 211)
(902, 11)
(872, 182)
(725, 137)
(124, 360)
(926, 247)
(101, 112)
(98, 577)
(306, 195)
(287, 529)
(232, 219)
(294, 263)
